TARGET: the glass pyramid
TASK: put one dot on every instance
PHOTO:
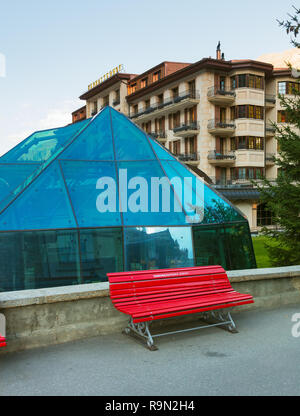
(101, 196)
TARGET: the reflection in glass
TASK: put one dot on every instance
(41, 145)
(158, 247)
(227, 245)
(38, 259)
(130, 142)
(101, 253)
(94, 143)
(81, 179)
(43, 205)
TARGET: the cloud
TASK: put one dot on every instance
(26, 123)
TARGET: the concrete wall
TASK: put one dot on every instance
(42, 317)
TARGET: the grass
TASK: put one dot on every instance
(261, 254)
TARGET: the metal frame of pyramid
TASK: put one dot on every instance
(51, 233)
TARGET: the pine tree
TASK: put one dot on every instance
(282, 197)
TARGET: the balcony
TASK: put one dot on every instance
(221, 159)
(238, 183)
(172, 104)
(270, 100)
(161, 136)
(220, 96)
(270, 130)
(186, 129)
(221, 127)
(189, 158)
(270, 159)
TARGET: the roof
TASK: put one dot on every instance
(106, 84)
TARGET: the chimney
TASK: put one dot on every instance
(218, 51)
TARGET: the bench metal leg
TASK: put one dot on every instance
(222, 318)
(142, 330)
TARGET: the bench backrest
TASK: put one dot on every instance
(143, 285)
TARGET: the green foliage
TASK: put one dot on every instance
(283, 196)
(292, 25)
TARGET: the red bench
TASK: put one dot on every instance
(149, 295)
(2, 341)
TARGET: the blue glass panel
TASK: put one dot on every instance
(158, 247)
(36, 259)
(41, 145)
(227, 245)
(130, 142)
(161, 152)
(12, 175)
(216, 208)
(142, 204)
(94, 143)
(44, 204)
(81, 179)
(101, 253)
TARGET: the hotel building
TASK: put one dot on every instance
(214, 115)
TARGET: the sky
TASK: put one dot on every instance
(51, 50)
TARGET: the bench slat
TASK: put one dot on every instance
(148, 294)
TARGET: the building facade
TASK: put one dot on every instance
(215, 115)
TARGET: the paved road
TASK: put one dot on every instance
(262, 359)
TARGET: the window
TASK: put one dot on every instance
(248, 81)
(249, 111)
(144, 83)
(175, 92)
(233, 83)
(242, 81)
(264, 216)
(251, 82)
(192, 88)
(160, 99)
(135, 109)
(222, 83)
(147, 104)
(282, 117)
(251, 143)
(281, 87)
(156, 76)
(288, 87)
(132, 88)
(232, 143)
(105, 101)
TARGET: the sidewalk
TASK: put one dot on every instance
(262, 359)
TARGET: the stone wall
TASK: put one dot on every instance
(42, 317)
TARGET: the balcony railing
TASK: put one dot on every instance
(212, 91)
(188, 157)
(270, 157)
(238, 182)
(158, 135)
(116, 102)
(270, 98)
(194, 125)
(214, 155)
(270, 128)
(221, 124)
(167, 101)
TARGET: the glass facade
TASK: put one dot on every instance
(101, 196)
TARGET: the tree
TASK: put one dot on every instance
(292, 26)
(282, 197)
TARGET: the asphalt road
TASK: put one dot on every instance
(262, 359)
